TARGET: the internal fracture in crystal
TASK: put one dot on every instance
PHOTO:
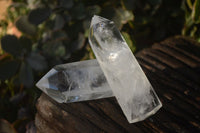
(75, 82)
(128, 82)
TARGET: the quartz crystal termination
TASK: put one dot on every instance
(128, 82)
(75, 82)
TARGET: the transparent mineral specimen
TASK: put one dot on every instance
(75, 82)
(128, 82)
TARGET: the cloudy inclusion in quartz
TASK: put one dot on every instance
(73, 82)
(128, 82)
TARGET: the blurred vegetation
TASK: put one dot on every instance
(55, 32)
(192, 19)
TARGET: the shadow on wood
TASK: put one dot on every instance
(173, 68)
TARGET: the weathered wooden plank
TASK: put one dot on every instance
(173, 68)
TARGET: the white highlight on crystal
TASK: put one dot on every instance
(73, 82)
(128, 82)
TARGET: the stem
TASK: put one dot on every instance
(189, 3)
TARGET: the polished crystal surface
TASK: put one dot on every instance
(128, 82)
(75, 82)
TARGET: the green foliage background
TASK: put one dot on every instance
(56, 31)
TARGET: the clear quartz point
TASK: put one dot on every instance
(75, 82)
(128, 82)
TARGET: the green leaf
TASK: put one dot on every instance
(78, 11)
(60, 50)
(8, 69)
(86, 33)
(39, 15)
(129, 41)
(26, 43)
(198, 39)
(108, 12)
(67, 16)
(78, 44)
(155, 2)
(86, 26)
(26, 75)
(59, 35)
(93, 10)
(10, 44)
(74, 29)
(25, 26)
(196, 11)
(125, 15)
(31, 4)
(6, 127)
(66, 3)
(54, 49)
(59, 22)
(122, 16)
(129, 4)
(37, 61)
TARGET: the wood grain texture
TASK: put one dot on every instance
(173, 68)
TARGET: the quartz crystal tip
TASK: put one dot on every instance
(128, 82)
(97, 19)
(73, 82)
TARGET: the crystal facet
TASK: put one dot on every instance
(75, 82)
(128, 82)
